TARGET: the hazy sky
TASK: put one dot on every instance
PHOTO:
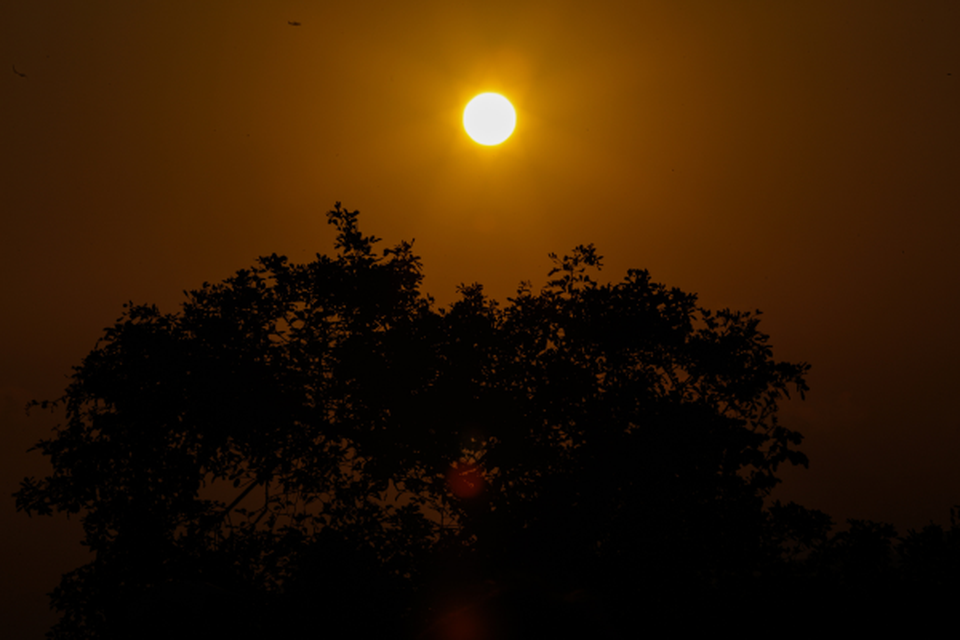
(797, 157)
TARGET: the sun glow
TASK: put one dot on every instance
(489, 119)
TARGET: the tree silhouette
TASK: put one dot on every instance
(868, 574)
(320, 440)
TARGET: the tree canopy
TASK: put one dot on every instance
(323, 441)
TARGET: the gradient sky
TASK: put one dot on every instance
(797, 157)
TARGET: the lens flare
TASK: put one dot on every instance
(465, 479)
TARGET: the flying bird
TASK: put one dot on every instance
(22, 75)
(293, 24)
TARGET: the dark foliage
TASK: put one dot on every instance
(315, 446)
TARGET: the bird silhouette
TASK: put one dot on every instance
(293, 24)
(22, 75)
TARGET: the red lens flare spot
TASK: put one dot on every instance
(465, 479)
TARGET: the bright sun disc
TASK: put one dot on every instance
(489, 118)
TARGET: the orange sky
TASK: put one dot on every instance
(802, 158)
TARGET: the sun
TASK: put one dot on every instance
(489, 119)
